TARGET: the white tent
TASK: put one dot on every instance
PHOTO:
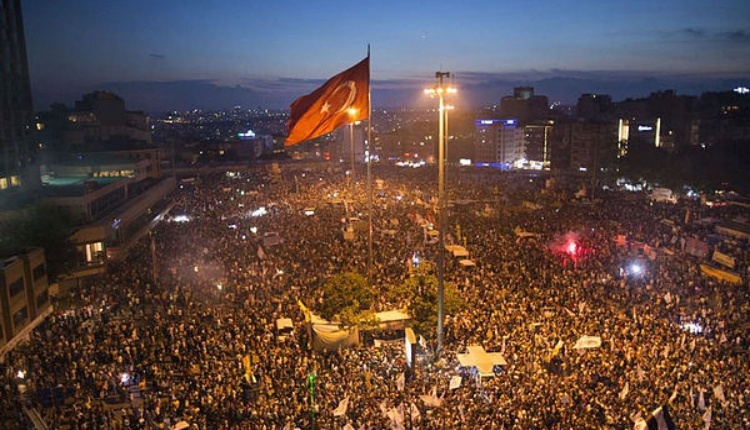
(333, 338)
(521, 233)
(181, 425)
(586, 342)
(284, 328)
(392, 320)
(283, 323)
(457, 251)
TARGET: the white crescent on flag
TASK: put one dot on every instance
(351, 86)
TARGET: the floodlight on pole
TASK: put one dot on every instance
(441, 90)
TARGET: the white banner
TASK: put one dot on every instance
(455, 382)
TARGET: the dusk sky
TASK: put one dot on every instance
(163, 55)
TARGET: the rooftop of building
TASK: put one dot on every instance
(95, 159)
(73, 186)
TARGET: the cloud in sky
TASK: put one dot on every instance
(475, 89)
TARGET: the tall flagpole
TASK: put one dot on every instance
(369, 172)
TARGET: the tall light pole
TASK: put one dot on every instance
(353, 114)
(441, 90)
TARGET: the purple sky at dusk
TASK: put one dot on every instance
(162, 55)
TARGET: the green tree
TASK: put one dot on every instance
(348, 298)
(420, 292)
(40, 226)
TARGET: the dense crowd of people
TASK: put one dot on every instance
(184, 328)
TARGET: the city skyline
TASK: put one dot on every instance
(159, 56)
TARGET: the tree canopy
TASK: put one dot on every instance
(420, 292)
(348, 298)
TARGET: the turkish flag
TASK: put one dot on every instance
(343, 99)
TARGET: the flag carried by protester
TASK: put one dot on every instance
(415, 413)
(432, 400)
(659, 420)
(719, 394)
(248, 366)
(343, 99)
(342, 407)
(625, 390)
(401, 381)
(396, 415)
(707, 416)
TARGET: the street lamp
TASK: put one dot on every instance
(352, 114)
(441, 90)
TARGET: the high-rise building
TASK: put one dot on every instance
(499, 141)
(16, 112)
(537, 137)
(664, 118)
(584, 145)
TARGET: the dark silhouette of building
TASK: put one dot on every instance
(16, 112)
(724, 117)
(584, 146)
(594, 106)
(24, 295)
(101, 117)
(669, 120)
(524, 106)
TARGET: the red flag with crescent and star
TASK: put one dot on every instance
(343, 99)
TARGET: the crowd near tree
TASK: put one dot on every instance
(185, 331)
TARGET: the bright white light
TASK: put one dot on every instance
(464, 162)
(219, 286)
(742, 90)
(21, 374)
(233, 226)
(693, 328)
(248, 134)
(259, 212)
(181, 218)
(635, 269)
(195, 269)
(254, 230)
(124, 378)
(415, 260)
(309, 212)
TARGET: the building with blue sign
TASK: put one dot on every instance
(498, 141)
